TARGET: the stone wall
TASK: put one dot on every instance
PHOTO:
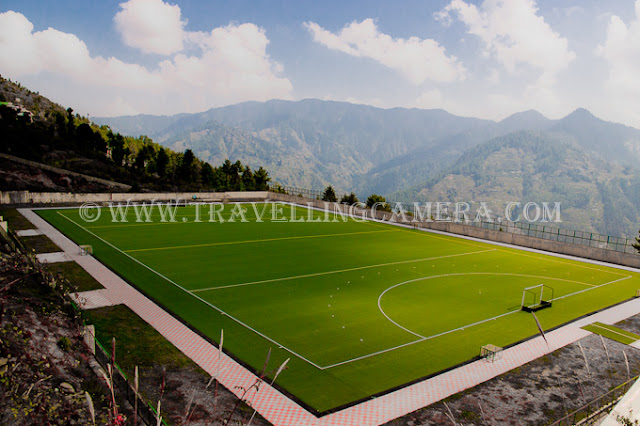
(610, 256)
(26, 198)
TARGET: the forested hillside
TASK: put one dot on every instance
(34, 128)
(308, 143)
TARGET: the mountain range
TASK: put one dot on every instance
(584, 162)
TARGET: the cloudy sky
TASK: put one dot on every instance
(485, 59)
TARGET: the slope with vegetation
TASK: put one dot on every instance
(58, 137)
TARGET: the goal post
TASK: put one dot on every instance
(536, 297)
(491, 353)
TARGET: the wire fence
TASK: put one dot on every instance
(314, 194)
(146, 412)
(592, 412)
(12, 240)
(552, 233)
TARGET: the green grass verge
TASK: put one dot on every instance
(39, 244)
(359, 308)
(78, 277)
(137, 343)
(15, 220)
(612, 332)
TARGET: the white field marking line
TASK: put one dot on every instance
(613, 331)
(381, 223)
(226, 243)
(468, 325)
(316, 274)
(134, 222)
(205, 215)
(515, 249)
(594, 287)
(461, 274)
(194, 295)
(408, 228)
(422, 339)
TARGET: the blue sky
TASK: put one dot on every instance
(486, 59)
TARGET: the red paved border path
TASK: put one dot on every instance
(280, 410)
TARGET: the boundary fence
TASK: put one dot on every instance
(146, 412)
(593, 411)
(313, 194)
(547, 232)
(613, 247)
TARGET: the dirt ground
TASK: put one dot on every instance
(186, 391)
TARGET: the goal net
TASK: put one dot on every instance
(536, 297)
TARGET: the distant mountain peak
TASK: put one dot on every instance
(581, 113)
(528, 114)
(527, 120)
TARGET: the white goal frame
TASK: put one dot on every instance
(539, 303)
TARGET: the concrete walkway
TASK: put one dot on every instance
(280, 410)
(94, 299)
(59, 256)
(28, 232)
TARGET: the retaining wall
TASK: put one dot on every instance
(22, 198)
(610, 256)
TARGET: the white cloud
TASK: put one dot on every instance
(417, 59)
(231, 66)
(514, 34)
(151, 26)
(431, 99)
(493, 105)
(621, 51)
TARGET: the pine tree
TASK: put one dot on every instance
(637, 243)
(329, 194)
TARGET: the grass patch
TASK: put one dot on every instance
(78, 277)
(40, 244)
(15, 220)
(617, 330)
(612, 333)
(137, 343)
